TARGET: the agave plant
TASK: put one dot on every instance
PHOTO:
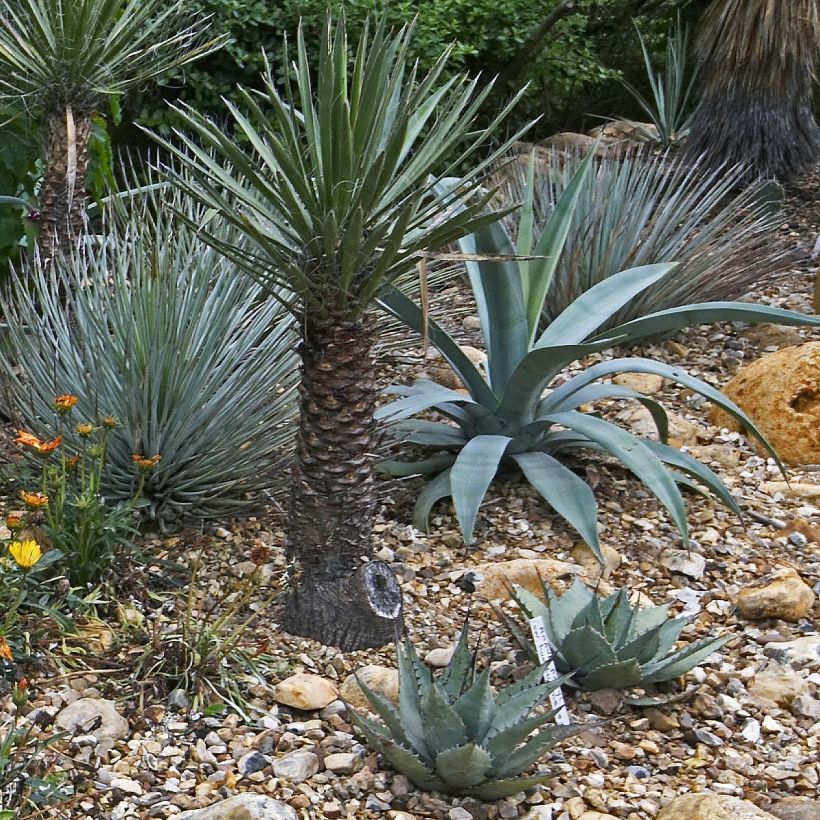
(645, 207)
(519, 415)
(453, 734)
(149, 324)
(605, 643)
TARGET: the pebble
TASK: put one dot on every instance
(296, 767)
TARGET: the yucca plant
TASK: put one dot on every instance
(453, 733)
(330, 183)
(645, 207)
(519, 414)
(756, 104)
(64, 60)
(671, 90)
(606, 643)
(151, 325)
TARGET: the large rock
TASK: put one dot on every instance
(93, 716)
(382, 680)
(796, 808)
(243, 807)
(440, 371)
(778, 684)
(780, 392)
(781, 594)
(306, 692)
(682, 432)
(801, 653)
(499, 577)
(712, 807)
(626, 131)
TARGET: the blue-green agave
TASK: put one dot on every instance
(509, 417)
(453, 733)
(606, 643)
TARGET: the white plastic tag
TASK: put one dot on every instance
(542, 646)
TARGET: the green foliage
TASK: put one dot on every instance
(604, 643)
(62, 487)
(453, 733)
(77, 53)
(26, 788)
(510, 418)
(153, 326)
(333, 195)
(199, 647)
(667, 109)
(643, 207)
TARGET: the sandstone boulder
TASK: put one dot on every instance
(382, 680)
(780, 392)
(306, 692)
(498, 578)
(781, 594)
(712, 807)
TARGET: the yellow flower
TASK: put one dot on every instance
(34, 500)
(85, 429)
(64, 403)
(5, 649)
(26, 553)
(145, 463)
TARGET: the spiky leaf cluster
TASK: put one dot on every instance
(453, 733)
(151, 325)
(606, 643)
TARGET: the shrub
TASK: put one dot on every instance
(158, 331)
(642, 208)
(510, 418)
(604, 643)
(453, 734)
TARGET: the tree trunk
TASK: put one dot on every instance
(336, 597)
(756, 106)
(63, 196)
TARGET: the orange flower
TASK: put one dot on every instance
(110, 422)
(64, 403)
(72, 461)
(14, 521)
(28, 439)
(34, 500)
(5, 649)
(85, 429)
(45, 448)
(145, 463)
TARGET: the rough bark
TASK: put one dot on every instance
(756, 106)
(63, 195)
(335, 597)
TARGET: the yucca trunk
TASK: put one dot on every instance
(756, 104)
(63, 196)
(336, 598)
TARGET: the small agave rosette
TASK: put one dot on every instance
(453, 733)
(606, 643)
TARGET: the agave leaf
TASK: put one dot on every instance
(431, 433)
(456, 677)
(462, 766)
(477, 706)
(584, 649)
(619, 675)
(471, 475)
(424, 396)
(685, 462)
(651, 617)
(503, 743)
(411, 766)
(444, 726)
(665, 321)
(369, 728)
(410, 688)
(498, 789)
(683, 660)
(403, 469)
(529, 680)
(566, 609)
(598, 304)
(668, 633)
(536, 747)
(635, 455)
(384, 709)
(643, 648)
(518, 705)
(435, 489)
(618, 620)
(569, 495)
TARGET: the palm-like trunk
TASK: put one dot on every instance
(336, 598)
(63, 197)
(756, 105)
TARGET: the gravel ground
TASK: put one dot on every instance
(744, 724)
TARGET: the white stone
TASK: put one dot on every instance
(82, 717)
(685, 562)
(296, 767)
(246, 806)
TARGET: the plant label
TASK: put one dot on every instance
(542, 646)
